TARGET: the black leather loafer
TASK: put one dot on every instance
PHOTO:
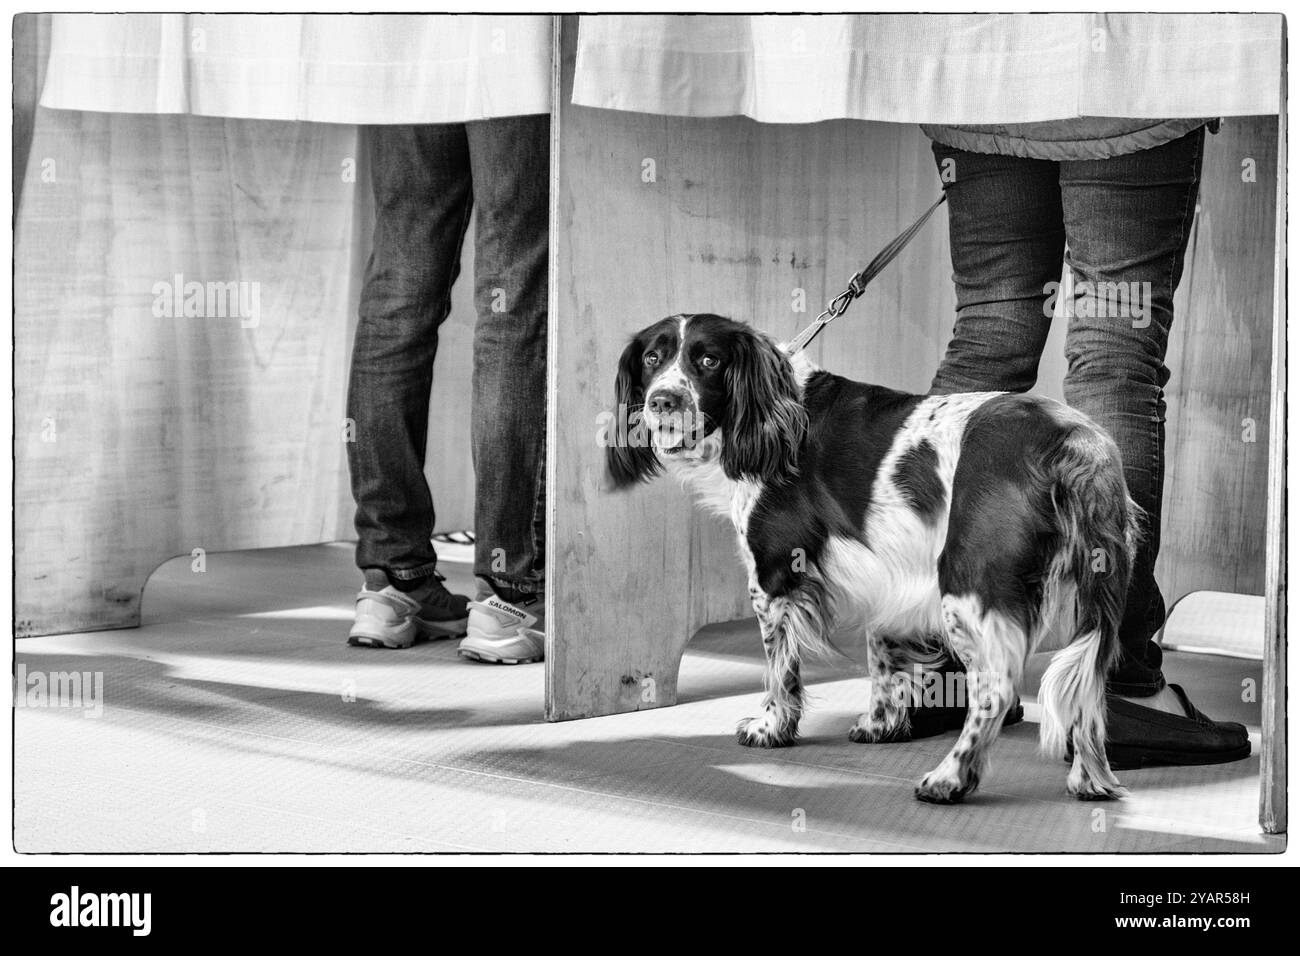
(1138, 736)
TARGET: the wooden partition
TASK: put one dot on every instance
(1273, 760)
(140, 436)
(656, 215)
(1220, 354)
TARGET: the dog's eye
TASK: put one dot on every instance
(651, 358)
(709, 361)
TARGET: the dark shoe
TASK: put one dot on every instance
(1138, 736)
(932, 721)
(387, 617)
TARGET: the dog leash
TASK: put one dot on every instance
(858, 282)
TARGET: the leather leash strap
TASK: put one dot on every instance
(858, 283)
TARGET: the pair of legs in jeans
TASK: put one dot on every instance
(426, 180)
(1013, 222)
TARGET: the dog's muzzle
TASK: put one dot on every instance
(674, 422)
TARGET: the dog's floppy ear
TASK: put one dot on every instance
(629, 459)
(765, 420)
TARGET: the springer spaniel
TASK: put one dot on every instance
(985, 524)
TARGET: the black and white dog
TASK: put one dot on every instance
(985, 524)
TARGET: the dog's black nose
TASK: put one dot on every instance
(663, 403)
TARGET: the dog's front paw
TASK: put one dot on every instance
(765, 731)
(944, 786)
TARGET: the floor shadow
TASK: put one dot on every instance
(139, 684)
(851, 804)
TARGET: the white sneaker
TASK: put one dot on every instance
(501, 632)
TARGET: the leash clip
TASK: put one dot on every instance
(858, 281)
(839, 305)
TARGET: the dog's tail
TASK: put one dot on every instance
(1098, 526)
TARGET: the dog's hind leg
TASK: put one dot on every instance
(992, 646)
(790, 623)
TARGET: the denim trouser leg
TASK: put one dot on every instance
(510, 158)
(1007, 241)
(423, 196)
(1125, 219)
(426, 179)
(1128, 220)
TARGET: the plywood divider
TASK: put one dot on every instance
(1218, 424)
(140, 436)
(655, 215)
(1273, 759)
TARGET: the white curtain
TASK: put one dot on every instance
(321, 68)
(908, 68)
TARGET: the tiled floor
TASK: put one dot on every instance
(226, 727)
